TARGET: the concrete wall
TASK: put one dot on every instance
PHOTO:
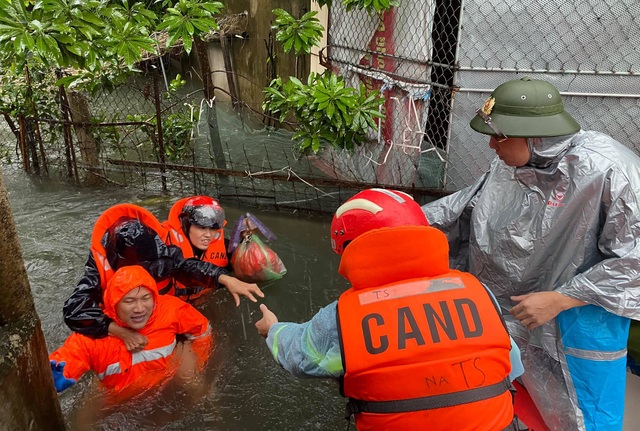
(28, 400)
(323, 17)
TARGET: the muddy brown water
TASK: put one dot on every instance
(247, 390)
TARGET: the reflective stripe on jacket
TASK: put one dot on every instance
(420, 341)
(127, 374)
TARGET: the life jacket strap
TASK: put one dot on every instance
(517, 425)
(355, 406)
(166, 289)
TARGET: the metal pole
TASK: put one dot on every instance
(156, 94)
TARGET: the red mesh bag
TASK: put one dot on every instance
(253, 261)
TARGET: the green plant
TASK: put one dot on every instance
(300, 34)
(326, 110)
(189, 19)
(175, 84)
(177, 131)
(371, 6)
(88, 46)
(106, 136)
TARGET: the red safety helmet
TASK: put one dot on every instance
(202, 211)
(373, 209)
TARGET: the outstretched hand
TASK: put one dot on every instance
(238, 287)
(59, 380)
(536, 309)
(268, 319)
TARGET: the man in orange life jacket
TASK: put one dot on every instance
(414, 344)
(127, 234)
(131, 300)
(196, 225)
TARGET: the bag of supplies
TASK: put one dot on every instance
(252, 260)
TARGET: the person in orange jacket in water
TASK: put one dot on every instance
(196, 225)
(132, 301)
(127, 234)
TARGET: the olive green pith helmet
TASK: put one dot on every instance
(525, 108)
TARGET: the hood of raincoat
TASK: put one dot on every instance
(548, 151)
(123, 281)
(392, 254)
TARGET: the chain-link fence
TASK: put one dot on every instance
(436, 61)
(143, 135)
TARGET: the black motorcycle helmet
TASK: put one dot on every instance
(129, 242)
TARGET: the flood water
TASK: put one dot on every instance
(248, 390)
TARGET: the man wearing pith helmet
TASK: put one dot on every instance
(553, 227)
(414, 345)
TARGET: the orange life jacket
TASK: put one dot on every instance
(106, 221)
(125, 374)
(423, 346)
(216, 253)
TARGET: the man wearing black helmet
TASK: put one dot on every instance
(554, 229)
(127, 234)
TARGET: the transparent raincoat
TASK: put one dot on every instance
(567, 221)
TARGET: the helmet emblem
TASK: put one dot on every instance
(488, 105)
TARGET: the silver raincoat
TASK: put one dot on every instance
(567, 221)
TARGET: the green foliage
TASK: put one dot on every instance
(189, 19)
(106, 136)
(96, 41)
(18, 98)
(323, 3)
(299, 34)
(326, 110)
(177, 127)
(176, 84)
(177, 132)
(92, 45)
(135, 13)
(371, 6)
(304, 33)
(101, 40)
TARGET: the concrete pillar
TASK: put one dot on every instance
(28, 400)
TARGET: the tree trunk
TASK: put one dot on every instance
(28, 400)
(81, 117)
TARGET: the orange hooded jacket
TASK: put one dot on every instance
(216, 253)
(423, 346)
(126, 374)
